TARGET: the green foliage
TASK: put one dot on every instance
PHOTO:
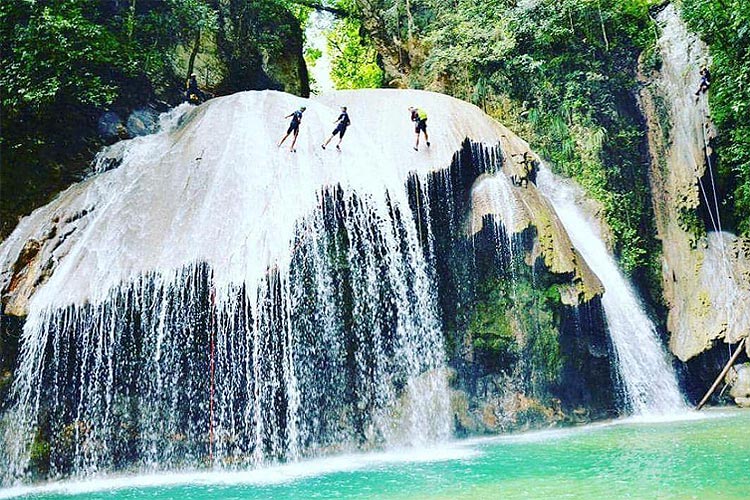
(353, 58)
(56, 52)
(63, 63)
(490, 327)
(725, 26)
(39, 457)
(86, 52)
(561, 72)
(252, 31)
(578, 85)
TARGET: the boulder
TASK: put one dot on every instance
(739, 379)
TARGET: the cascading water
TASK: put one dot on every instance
(648, 379)
(207, 297)
(216, 297)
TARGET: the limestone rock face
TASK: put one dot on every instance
(88, 215)
(740, 381)
(705, 277)
(526, 207)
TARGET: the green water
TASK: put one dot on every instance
(705, 459)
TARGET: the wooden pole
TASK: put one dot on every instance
(722, 374)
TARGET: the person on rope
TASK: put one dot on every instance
(705, 81)
(193, 94)
(528, 169)
(341, 123)
(419, 117)
(293, 128)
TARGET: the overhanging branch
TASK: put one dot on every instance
(319, 6)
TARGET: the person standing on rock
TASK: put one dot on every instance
(527, 167)
(419, 117)
(293, 128)
(341, 123)
(193, 93)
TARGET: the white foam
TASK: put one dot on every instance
(277, 474)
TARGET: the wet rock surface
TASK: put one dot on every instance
(704, 270)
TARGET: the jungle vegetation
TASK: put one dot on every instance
(561, 73)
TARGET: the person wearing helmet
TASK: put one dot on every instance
(419, 117)
(705, 81)
(341, 123)
(293, 128)
(193, 93)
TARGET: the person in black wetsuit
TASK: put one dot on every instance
(341, 123)
(193, 94)
(705, 81)
(419, 117)
(528, 168)
(293, 128)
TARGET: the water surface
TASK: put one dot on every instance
(705, 457)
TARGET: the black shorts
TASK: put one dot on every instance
(293, 127)
(421, 126)
(340, 129)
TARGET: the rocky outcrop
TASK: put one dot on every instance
(523, 208)
(706, 274)
(246, 63)
(739, 379)
(34, 260)
(521, 308)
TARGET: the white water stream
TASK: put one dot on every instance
(649, 381)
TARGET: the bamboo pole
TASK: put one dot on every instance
(722, 374)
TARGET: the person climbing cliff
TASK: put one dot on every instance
(419, 117)
(705, 81)
(193, 93)
(293, 128)
(342, 122)
(527, 168)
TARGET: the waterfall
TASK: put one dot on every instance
(216, 297)
(648, 379)
(168, 369)
(207, 298)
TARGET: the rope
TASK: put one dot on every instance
(417, 190)
(212, 370)
(717, 223)
(709, 162)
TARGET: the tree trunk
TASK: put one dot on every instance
(723, 374)
(194, 54)
(410, 24)
(601, 21)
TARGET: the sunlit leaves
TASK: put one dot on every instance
(354, 60)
